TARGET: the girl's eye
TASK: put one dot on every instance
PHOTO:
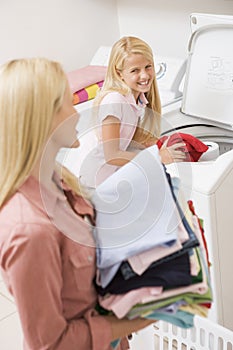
(149, 66)
(134, 70)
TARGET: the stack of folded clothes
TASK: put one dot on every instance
(85, 82)
(152, 256)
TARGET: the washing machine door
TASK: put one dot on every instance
(208, 86)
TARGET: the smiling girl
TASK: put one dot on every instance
(128, 110)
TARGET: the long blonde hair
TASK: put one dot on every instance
(31, 91)
(150, 124)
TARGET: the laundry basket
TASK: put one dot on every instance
(205, 335)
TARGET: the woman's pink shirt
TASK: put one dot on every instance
(49, 273)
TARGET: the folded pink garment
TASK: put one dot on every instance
(86, 76)
(121, 304)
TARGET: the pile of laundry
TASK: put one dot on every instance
(152, 256)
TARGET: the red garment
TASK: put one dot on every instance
(200, 222)
(193, 148)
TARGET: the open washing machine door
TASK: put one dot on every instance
(206, 110)
(208, 87)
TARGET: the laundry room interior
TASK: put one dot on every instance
(193, 55)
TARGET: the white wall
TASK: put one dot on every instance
(66, 30)
(71, 30)
(164, 24)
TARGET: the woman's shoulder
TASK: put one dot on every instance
(21, 215)
(24, 228)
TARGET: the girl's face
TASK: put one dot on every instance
(138, 73)
(64, 124)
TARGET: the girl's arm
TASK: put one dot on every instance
(111, 143)
(115, 156)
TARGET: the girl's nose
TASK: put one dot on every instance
(143, 74)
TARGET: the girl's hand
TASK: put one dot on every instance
(172, 153)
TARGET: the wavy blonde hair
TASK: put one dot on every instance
(31, 92)
(149, 127)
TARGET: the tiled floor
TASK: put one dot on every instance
(10, 331)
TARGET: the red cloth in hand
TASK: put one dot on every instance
(193, 148)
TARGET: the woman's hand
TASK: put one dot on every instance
(172, 153)
(124, 327)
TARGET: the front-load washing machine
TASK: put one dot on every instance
(206, 112)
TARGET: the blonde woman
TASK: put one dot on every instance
(47, 253)
(128, 112)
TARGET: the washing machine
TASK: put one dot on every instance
(206, 112)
